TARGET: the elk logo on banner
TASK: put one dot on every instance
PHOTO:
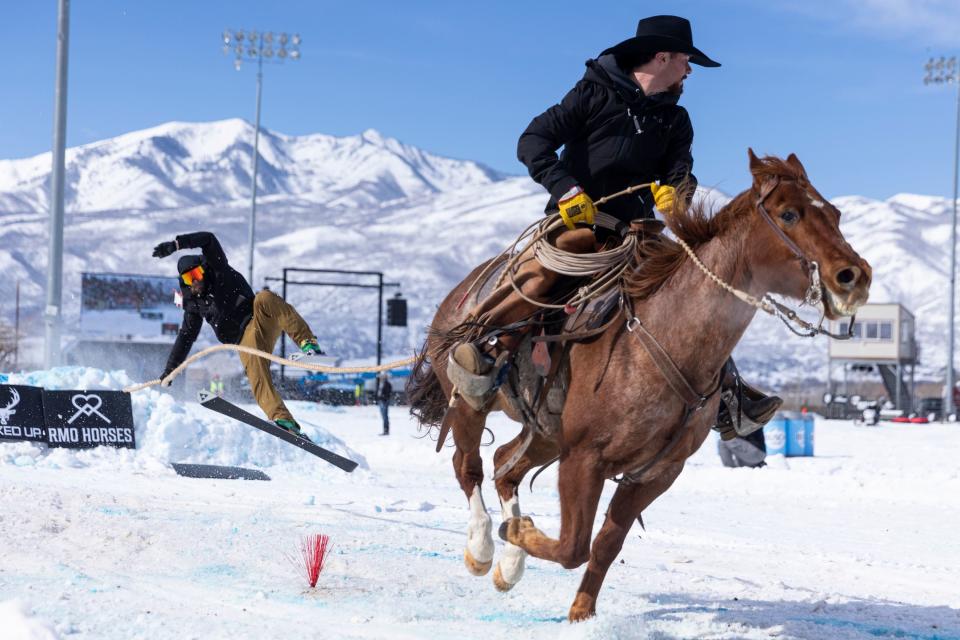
(8, 411)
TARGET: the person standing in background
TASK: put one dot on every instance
(383, 399)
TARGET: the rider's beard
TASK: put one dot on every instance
(198, 288)
(676, 88)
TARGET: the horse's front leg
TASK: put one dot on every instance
(466, 425)
(627, 504)
(580, 488)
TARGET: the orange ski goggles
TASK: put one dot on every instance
(194, 275)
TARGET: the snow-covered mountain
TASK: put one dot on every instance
(181, 164)
(370, 202)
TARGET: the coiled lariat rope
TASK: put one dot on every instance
(320, 368)
(605, 266)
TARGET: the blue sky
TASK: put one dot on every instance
(838, 82)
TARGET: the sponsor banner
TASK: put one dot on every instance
(78, 419)
(21, 413)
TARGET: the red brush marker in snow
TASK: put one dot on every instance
(312, 557)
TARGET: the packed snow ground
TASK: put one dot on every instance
(858, 542)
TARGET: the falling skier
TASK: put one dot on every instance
(214, 291)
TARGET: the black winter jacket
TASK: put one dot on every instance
(613, 136)
(227, 304)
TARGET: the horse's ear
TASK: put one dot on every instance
(794, 162)
(755, 162)
(756, 166)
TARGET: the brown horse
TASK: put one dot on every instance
(621, 415)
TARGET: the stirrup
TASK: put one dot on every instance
(477, 389)
(743, 408)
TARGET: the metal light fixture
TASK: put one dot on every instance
(254, 46)
(944, 71)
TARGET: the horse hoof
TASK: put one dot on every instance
(475, 567)
(583, 608)
(511, 528)
(499, 583)
(580, 616)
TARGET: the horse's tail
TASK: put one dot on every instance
(424, 393)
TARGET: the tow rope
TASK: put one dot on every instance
(299, 364)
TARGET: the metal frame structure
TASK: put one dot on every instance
(379, 286)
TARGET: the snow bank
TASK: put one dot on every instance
(18, 624)
(171, 431)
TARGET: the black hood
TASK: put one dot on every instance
(605, 72)
(185, 263)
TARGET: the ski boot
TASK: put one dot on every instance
(291, 426)
(311, 348)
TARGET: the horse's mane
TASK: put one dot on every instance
(658, 257)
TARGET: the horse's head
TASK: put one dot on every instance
(801, 239)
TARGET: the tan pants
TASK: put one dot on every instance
(271, 316)
(503, 306)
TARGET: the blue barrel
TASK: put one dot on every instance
(808, 435)
(796, 435)
(775, 434)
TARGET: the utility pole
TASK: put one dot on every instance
(52, 313)
(945, 71)
(255, 46)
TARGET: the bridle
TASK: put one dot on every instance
(814, 295)
(694, 401)
(768, 304)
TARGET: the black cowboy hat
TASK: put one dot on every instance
(662, 33)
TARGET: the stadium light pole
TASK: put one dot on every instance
(52, 313)
(944, 71)
(257, 46)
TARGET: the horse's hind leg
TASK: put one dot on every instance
(580, 487)
(627, 504)
(466, 426)
(510, 566)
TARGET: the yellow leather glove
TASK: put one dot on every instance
(576, 206)
(663, 196)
